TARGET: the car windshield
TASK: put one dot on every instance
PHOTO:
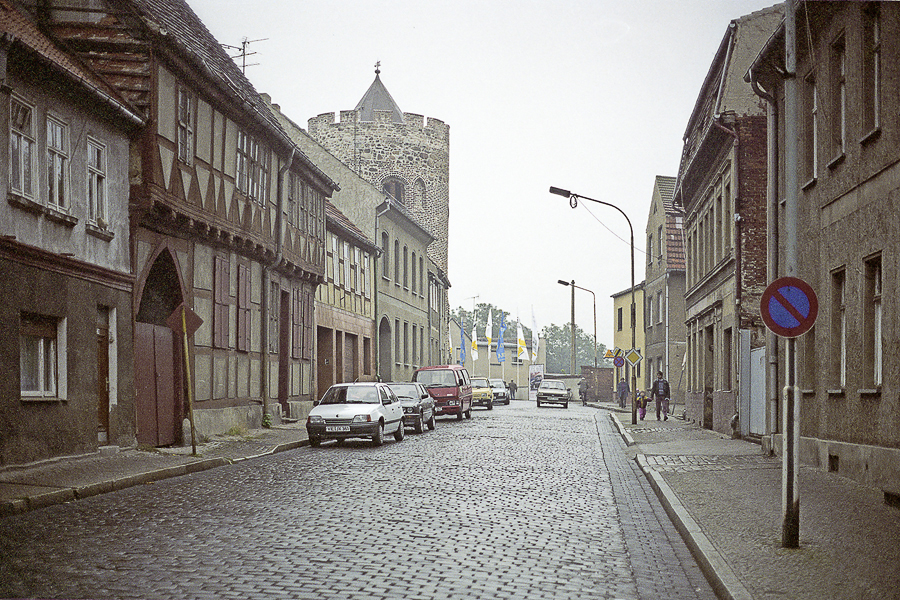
(553, 385)
(351, 395)
(497, 383)
(479, 382)
(436, 377)
(405, 390)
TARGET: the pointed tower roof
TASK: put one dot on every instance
(378, 98)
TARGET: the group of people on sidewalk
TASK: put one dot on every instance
(659, 391)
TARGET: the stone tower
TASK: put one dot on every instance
(401, 153)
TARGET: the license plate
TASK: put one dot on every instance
(337, 428)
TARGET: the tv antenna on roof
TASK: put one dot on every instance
(243, 54)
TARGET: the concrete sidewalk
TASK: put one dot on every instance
(29, 487)
(724, 496)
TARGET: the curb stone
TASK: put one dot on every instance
(722, 578)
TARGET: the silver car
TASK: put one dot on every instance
(418, 405)
(356, 410)
(552, 391)
(501, 392)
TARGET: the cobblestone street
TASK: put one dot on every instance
(517, 502)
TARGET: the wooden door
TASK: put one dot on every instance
(102, 383)
(155, 375)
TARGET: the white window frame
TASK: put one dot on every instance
(21, 149)
(877, 354)
(98, 209)
(185, 118)
(57, 163)
(51, 358)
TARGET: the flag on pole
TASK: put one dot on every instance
(534, 337)
(474, 342)
(462, 343)
(501, 351)
(523, 349)
(489, 330)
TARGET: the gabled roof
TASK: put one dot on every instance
(19, 28)
(334, 217)
(174, 21)
(665, 186)
(377, 98)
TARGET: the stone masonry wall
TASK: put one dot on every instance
(417, 152)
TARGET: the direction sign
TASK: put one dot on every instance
(789, 307)
(190, 321)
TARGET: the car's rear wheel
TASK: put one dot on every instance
(400, 433)
(378, 436)
(431, 422)
(420, 423)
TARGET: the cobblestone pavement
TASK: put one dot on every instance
(517, 502)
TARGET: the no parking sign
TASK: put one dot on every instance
(789, 307)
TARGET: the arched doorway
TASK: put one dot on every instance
(385, 356)
(158, 377)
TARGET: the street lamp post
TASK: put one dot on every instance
(572, 283)
(573, 202)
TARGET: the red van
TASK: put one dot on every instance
(450, 387)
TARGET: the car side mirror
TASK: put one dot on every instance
(316, 402)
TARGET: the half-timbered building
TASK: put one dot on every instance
(227, 219)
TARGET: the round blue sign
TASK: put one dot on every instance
(789, 307)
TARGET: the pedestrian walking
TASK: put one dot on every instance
(660, 392)
(641, 401)
(512, 389)
(582, 391)
(622, 393)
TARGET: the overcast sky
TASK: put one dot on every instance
(589, 95)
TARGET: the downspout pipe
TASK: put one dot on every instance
(375, 300)
(267, 270)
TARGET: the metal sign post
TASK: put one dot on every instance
(789, 308)
(186, 321)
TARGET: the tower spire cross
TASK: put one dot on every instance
(377, 67)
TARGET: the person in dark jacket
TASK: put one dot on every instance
(661, 393)
(622, 392)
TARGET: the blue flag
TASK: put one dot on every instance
(501, 353)
(462, 343)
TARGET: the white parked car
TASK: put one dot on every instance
(356, 410)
